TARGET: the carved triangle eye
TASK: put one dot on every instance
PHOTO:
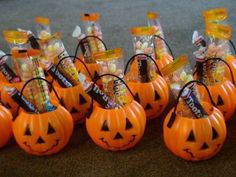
(220, 102)
(27, 131)
(157, 96)
(128, 124)
(105, 126)
(51, 130)
(136, 97)
(214, 133)
(82, 100)
(191, 137)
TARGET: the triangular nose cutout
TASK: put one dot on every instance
(118, 136)
(40, 140)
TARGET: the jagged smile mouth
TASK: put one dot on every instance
(105, 142)
(42, 152)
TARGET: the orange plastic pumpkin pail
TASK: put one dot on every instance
(45, 133)
(194, 139)
(75, 99)
(152, 95)
(116, 129)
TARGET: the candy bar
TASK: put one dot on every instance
(27, 62)
(21, 100)
(192, 101)
(59, 76)
(97, 94)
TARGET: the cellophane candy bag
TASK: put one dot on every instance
(43, 28)
(159, 45)
(177, 74)
(92, 28)
(111, 62)
(28, 67)
(143, 44)
(218, 47)
(55, 51)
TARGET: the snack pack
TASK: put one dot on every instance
(96, 93)
(91, 45)
(111, 62)
(218, 47)
(177, 74)
(37, 92)
(6, 70)
(159, 45)
(143, 43)
(54, 51)
(43, 28)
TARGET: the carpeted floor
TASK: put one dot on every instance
(150, 157)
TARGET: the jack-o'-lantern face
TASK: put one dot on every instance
(195, 139)
(222, 96)
(49, 139)
(43, 134)
(117, 129)
(112, 138)
(153, 96)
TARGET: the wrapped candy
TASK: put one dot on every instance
(218, 47)
(28, 67)
(20, 99)
(31, 38)
(96, 93)
(143, 43)
(6, 70)
(91, 45)
(43, 28)
(177, 74)
(160, 46)
(54, 51)
(200, 55)
(111, 62)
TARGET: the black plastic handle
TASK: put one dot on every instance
(130, 61)
(219, 59)
(233, 46)
(173, 115)
(94, 83)
(39, 78)
(86, 37)
(168, 46)
(75, 58)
